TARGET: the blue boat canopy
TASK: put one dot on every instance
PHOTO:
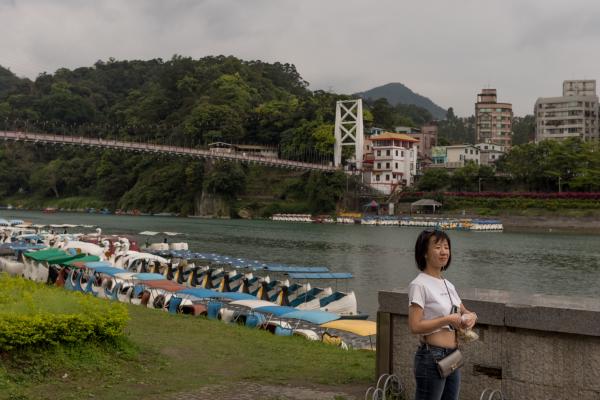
(276, 310)
(100, 264)
(22, 246)
(254, 265)
(316, 317)
(322, 275)
(148, 276)
(112, 271)
(213, 294)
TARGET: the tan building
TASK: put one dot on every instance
(574, 114)
(493, 120)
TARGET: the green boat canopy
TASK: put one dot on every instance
(62, 259)
(43, 255)
(85, 259)
(56, 256)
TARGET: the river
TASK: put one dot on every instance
(380, 258)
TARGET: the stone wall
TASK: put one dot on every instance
(531, 347)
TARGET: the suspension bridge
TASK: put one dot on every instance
(147, 147)
(348, 132)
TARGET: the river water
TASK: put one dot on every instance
(380, 258)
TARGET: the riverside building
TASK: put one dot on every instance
(574, 114)
(453, 157)
(493, 120)
(394, 161)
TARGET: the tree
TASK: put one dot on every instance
(324, 190)
(433, 179)
(225, 179)
(523, 130)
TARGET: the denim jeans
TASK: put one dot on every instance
(430, 385)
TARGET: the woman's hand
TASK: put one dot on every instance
(454, 320)
(468, 320)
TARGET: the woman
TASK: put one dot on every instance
(435, 313)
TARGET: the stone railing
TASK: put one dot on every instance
(531, 347)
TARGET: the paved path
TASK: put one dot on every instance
(251, 391)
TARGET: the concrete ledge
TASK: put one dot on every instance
(576, 315)
(533, 347)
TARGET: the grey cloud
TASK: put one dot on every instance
(445, 50)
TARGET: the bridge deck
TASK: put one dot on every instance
(161, 149)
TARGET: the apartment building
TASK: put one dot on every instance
(452, 157)
(394, 161)
(489, 153)
(574, 114)
(493, 120)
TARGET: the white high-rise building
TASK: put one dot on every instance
(574, 114)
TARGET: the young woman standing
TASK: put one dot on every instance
(435, 313)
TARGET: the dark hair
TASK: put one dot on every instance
(422, 246)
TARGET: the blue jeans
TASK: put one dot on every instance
(430, 385)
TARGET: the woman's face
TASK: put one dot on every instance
(437, 253)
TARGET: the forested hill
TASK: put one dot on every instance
(182, 101)
(396, 93)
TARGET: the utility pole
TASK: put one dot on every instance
(559, 184)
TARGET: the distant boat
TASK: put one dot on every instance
(49, 210)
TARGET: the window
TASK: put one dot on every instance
(378, 152)
(402, 153)
(387, 165)
(387, 177)
(377, 178)
(378, 165)
(396, 153)
(396, 165)
(466, 151)
(387, 152)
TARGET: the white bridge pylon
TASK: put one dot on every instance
(349, 130)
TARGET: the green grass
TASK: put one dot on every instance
(163, 354)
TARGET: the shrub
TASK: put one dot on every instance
(33, 314)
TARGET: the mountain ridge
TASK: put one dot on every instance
(398, 93)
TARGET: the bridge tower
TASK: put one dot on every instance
(349, 130)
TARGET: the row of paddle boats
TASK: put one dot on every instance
(157, 282)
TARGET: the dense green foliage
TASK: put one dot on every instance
(180, 101)
(548, 166)
(455, 130)
(37, 315)
(571, 165)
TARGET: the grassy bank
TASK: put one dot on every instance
(162, 355)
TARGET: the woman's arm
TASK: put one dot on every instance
(418, 325)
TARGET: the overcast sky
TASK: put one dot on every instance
(446, 50)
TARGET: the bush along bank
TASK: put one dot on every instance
(509, 200)
(36, 315)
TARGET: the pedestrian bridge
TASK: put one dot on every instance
(141, 147)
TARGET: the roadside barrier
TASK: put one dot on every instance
(492, 394)
(388, 387)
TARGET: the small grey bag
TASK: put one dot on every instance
(454, 360)
(450, 363)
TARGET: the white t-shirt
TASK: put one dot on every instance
(431, 295)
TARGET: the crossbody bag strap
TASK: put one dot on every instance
(451, 309)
